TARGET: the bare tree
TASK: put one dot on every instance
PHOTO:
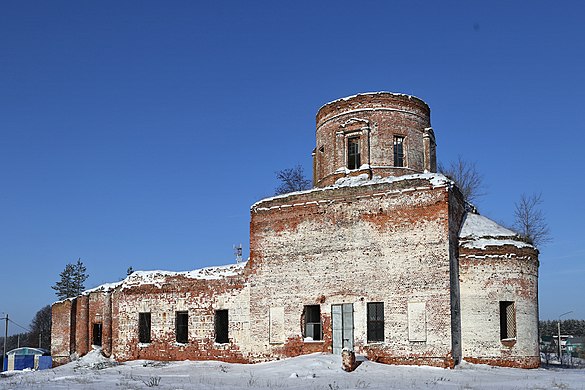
(466, 176)
(291, 180)
(40, 328)
(529, 220)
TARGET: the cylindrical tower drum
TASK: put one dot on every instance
(379, 133)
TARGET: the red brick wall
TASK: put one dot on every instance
(61, 345)
(82, 324)
(380, 243)
(394, 243)
(377, 118)
(200, 298)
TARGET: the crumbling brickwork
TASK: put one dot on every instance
(200, 299)
(355, 245)
(489, 276)
(382, 257)
(62, 331)
(375, 119)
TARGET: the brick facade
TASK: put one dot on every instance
(375, 119)
(383, 237)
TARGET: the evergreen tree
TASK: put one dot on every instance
(71, 282)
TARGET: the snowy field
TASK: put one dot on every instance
(316, 371)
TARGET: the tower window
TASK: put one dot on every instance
(398, 151)
(375, 321)
(353, 153)
(507, 320)
(144, 327)
(313, 322)
(221, 326)
(182, 326)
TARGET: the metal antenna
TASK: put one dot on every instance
(238, 253)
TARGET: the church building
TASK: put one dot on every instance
(382, 256)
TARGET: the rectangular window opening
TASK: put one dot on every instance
(312, 319)
(353, 153)
(182, 326)
(144, 327)
(375, 321)
(221, 326)
(398, 151)
(507, 320)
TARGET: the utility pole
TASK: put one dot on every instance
(5, 338)
(559, 335)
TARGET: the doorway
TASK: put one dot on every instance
(342, 318)
(97, 334)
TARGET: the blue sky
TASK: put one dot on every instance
(139, 133)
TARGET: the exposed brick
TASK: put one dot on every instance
(395, 242)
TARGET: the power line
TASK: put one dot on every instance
(20, 326)
(15, 323)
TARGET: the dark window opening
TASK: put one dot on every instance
(144, 327)
(375, 321)
(398, 151)
(221, 326)
(312, 328)
(182, 326)
(507, 320)
(97, 334)
(353, 153)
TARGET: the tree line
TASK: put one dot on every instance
(568, 327)
(38, 334)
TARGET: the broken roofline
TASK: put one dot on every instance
(396, 94)
(157, 277)
(435, 180)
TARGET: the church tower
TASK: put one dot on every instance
(379, 134)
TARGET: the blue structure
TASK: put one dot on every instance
(27, 357)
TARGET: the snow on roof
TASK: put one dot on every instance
(478, 232)
(477, 226)
(28, 351)
(435, 179)
(158, 277)
(371, 93)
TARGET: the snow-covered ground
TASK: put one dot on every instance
(316, 371)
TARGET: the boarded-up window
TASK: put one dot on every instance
(312, 319)
(375, 321)
(417, 321)
(221, 326)
(277, 325)
(507, 320)
(182, 326)
(144, 327)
